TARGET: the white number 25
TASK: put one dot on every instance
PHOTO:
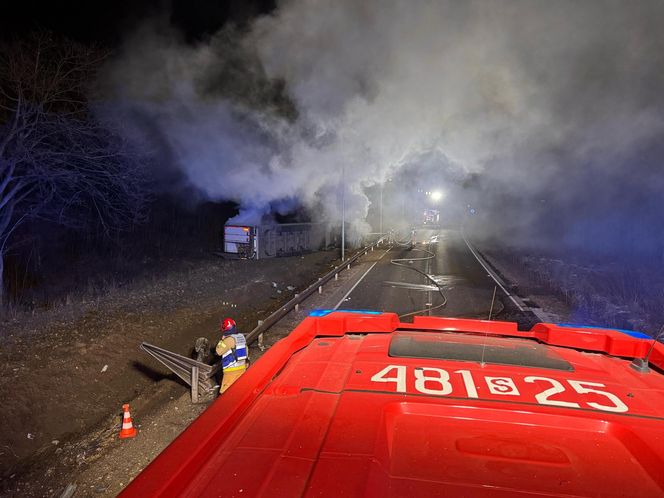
(581, 387)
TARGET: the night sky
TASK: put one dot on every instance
(106, 21)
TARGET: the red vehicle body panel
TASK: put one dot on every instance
(328, 412)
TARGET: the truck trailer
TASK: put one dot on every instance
(273, 240)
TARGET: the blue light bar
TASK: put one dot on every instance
(631, 333)
(327, 312)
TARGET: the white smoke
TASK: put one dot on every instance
(522, 93)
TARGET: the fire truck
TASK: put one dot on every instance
(359, 404)
(431, 217)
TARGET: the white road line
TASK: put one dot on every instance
(361, 278)
(491, 274)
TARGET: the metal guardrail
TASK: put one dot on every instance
(264, 325)
(200, 376)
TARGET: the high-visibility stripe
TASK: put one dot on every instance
(233, 369)
(127, 425)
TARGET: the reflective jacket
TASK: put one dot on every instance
(235, 358)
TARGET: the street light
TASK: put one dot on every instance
(436, 195)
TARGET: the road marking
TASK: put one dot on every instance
(491, 274)
(361, 278)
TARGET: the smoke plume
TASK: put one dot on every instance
(544, 116)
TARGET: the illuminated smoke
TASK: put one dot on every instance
(544, 114)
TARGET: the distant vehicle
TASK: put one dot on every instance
(356, 404)
(268, 241)
(431, 217)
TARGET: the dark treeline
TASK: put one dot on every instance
(51, 263)
(79, 204)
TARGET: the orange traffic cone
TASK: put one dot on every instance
(128, 429)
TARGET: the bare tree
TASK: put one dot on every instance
(57, 162)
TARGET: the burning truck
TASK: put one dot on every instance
(273, 240)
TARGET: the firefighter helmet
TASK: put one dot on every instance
(227, 324)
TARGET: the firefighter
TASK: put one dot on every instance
(233, 351)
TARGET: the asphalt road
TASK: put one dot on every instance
(397, 280)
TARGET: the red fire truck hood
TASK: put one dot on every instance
(361, 405)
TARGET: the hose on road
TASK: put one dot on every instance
(406, 263)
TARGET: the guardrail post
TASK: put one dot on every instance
(348, 267)
(297, 305)
(194, 384)
(261, 344)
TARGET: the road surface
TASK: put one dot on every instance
(406, 279)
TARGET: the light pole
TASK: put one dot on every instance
(343, 213)
(382, 185)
